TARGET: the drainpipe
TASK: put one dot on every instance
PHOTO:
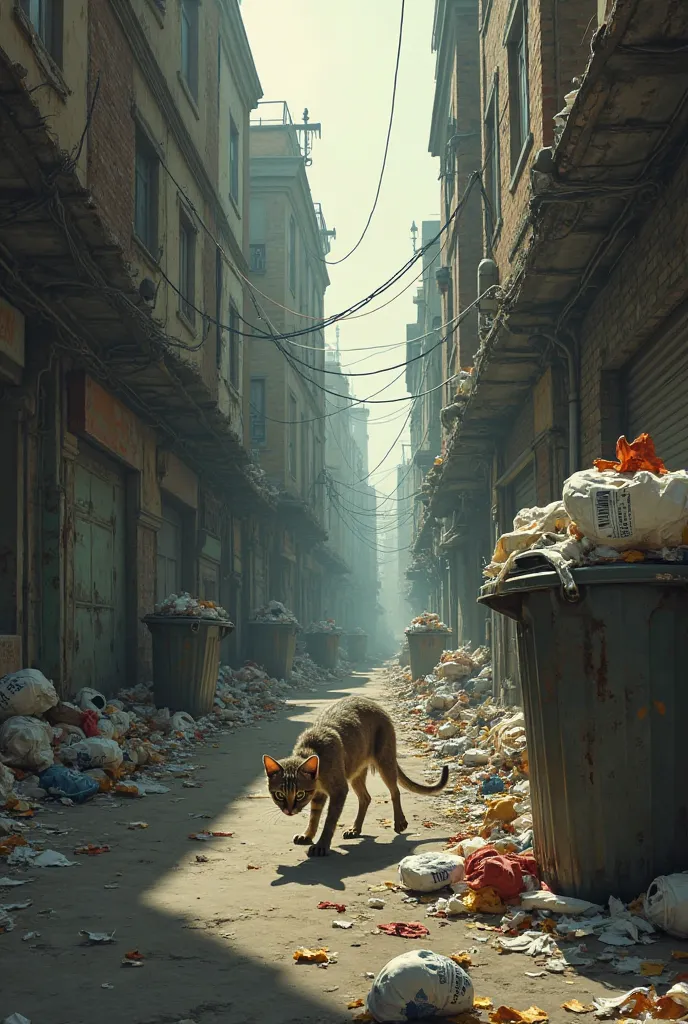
(570, 350)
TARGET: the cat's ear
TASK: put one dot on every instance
(272, 767)
(310, 766)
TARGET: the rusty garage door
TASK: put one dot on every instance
(656, 388)
(99, 576)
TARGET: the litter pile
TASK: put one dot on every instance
(275, 611)
(628, 510)
(428, 622)
(185, 605)
(324, 626)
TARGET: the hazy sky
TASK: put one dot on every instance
(337, 59)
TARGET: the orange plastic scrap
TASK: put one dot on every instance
(311, 956)
(633, 456)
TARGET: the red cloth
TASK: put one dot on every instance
(89, 723)
(503, 872)
(405, 929)
(326, 905)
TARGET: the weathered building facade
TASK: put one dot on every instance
(583, 218)
(123, 256)
(285, 401)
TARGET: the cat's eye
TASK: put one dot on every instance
(300, 795)
(279, 795)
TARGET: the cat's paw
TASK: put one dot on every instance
(302, 840)
(318, 850)
(351, 833)
(401, 825)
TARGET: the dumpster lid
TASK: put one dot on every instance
(533, 570)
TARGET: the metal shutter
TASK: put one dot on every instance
(656, 390)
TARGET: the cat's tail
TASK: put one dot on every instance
(415, 787)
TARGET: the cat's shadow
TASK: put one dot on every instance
(355, 857)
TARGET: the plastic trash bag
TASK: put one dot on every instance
(544, 900)
(182, 721)
(26, 692)
(417, 985)
(641, 510)
(26, 743)
(6, 784)
(426, 872)
(94, 752)
(60, 781)
(666, 904)
(89, 699)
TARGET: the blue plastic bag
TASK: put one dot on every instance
(60, 781)
(493, 785)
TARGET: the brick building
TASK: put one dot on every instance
(123, 256)
(584, 220)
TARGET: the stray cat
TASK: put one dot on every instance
(346, 739)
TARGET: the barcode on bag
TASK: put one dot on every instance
(612, 514)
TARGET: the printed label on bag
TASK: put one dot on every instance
(612, 514)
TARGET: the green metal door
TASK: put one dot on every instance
(99, 578)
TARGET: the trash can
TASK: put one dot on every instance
(603, 654)
(426, 649)
(273, 645)
(323, 648)
(186, 660)
(357, 646)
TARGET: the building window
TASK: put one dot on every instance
(257, 250)
(187, 268)
(292, 256)
(258, 421)
(234, 347)
(519, 100)
(492, 183)
(233, 160)
(189, 41)
(292, 436)
(46, 18)
(146, 193)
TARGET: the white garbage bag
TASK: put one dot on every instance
(89, 699)
(93, 752)
(417, 985)
(7, 781)
(26, 743)
(666, 904)
(475, 757)
(26, 692)
(629, 510)
(182, 721)
(426, 872)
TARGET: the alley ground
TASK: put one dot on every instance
(217, 935)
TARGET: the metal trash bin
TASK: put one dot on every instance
(186, 660)
(426, 649)
(357, 646)
(273, 645)
(603, 653)
(323, 648)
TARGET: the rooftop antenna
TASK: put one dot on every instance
(307, 129)
(414, 236)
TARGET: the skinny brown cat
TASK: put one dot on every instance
(347, 739)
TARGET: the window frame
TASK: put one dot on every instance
(258, 414)
(187, 268)
(292, 436)
(234, 160)
(291, 251)
(149, 237)
(49, 27)
(234, 361)
(520, 134)
(493, 183)
(189, 18)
